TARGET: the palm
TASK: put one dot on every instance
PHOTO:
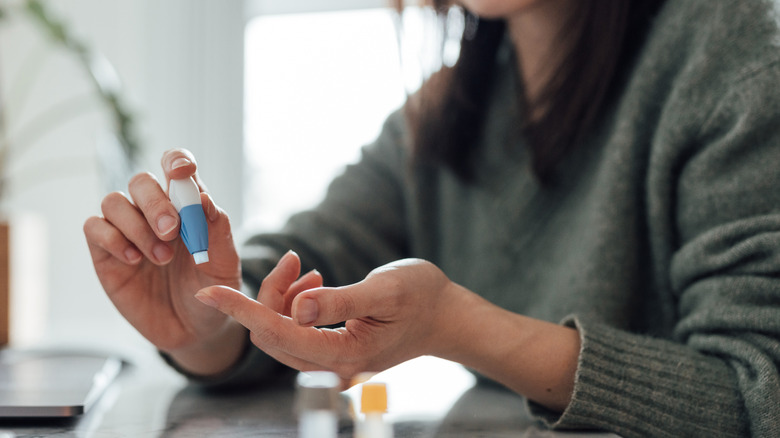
(158, 300)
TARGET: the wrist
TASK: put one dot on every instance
(535, 358)
(452, 321)
(213, 356)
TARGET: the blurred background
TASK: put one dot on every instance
(262, 91)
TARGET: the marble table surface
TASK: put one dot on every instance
(428, 397)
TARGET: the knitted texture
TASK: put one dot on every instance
(659, 241)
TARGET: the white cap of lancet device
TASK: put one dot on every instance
(200, 257)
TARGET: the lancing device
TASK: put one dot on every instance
(194, 230)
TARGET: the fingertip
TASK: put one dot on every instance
(309, 280)
(305, 311)
(163, 254)
(286, 270)
(133, 256)
(218, 297)
(205, 297)
(289, 257)
(179, 163)
(166, 224)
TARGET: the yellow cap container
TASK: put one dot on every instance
(373, 398)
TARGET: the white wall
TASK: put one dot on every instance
(181, 65)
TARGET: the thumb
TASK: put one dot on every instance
(326, 306)
(214, 214)
(222, 250)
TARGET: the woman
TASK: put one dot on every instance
(594, 187)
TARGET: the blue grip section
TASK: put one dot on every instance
(194, 229)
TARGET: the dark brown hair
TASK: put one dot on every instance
(447, 114)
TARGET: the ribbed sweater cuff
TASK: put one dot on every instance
(641, 386)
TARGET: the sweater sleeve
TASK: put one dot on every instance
(718, 374)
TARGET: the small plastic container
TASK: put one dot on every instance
(317, 404)
(373, 405)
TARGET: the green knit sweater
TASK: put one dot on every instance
(660, 243)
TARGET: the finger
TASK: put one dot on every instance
(300, 347)
(272, 331)
(213, 213)
(276, 283)
(104, 240)
(290, 360)
(326, 306)
(268, 328)
(348, 379)
(130, 223)
(311, 280)
(179, 164)
(150, 198)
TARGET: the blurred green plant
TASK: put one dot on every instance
(99, 71)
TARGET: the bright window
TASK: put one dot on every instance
(318, 87)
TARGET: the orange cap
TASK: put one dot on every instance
(373, 398)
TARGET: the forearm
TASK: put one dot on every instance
(534, 358)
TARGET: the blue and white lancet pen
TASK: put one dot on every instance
(194, 230)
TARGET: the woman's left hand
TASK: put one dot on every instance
(396, 313)
(402, 310)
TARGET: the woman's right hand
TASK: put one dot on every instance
(151, 278)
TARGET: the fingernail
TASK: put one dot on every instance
(180, 162)
(162, 253)
(132, 255)
(307, 311)
(206, 299)
(166, 224)
(286, 257)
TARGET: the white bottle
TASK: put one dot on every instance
(317, 404)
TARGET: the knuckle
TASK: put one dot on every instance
(267, 284)
(90, 225)
(394, 288)
(265, 338)
(141, 178)
(389, 277)
(394, 282)
(155, 204)
(101, 234)
(112, 201)
(110, 237)
(396, 299)
(344, 304)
